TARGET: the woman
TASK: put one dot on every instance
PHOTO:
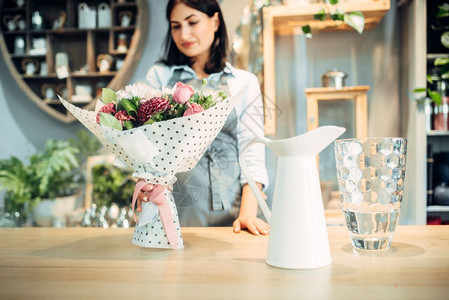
(214, 193)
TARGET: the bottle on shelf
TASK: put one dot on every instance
(36, 21)
(441, 117)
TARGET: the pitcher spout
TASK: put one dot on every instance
(308, 144)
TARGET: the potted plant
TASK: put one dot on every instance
(50, 174)
(332, 11)
(111, 185)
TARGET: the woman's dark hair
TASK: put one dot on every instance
(219, 47)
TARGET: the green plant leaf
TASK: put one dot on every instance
(129, 106)
(356, 20)
(110, 121)
(420, 90)
(441, 61)
(321, 15)
(333, 2)
(108, 96)
(128, 124)
(338, 16)
(307, 31)
(150, 121)
(443, 11)
(135, 100)
(111, 185)
(436, 97)
(53, 166)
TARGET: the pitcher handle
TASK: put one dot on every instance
(242, 160)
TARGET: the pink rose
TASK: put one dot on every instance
(194, 108)
(182, 93)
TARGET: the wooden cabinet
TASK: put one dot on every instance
(352, 99)
(286, 20)
(72, 48)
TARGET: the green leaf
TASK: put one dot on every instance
(441, 61)
(333, 2)
(53, 165)
(338, 16)
(128, 124)
(136, 100)
(321, 15)
(222, 95)
(429, 79)
(420, 90)
(443, 11)
(108, 95)
(307, 31)
(129, 106)
(195, 98)
(110, 121)
(436, 97)
(356, 20)
(419, 94)
(445, 75)
(442, 14)
(150, 121)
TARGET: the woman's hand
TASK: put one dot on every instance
(248, 214)
(254, 225)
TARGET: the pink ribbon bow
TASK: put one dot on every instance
(157, 196)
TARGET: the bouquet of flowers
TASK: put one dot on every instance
(157, 134)
(140, 105)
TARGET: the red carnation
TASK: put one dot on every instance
(150, 107)
(108, 108)
(122, 116)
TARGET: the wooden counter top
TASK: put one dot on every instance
(96, 263)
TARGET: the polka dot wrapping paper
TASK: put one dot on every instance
(156, 152)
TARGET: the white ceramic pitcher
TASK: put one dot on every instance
(298, 236)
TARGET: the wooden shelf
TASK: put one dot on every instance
(437, 208)
(27, 55)
(115, 52)
(15, 32)
(82, 46)
(40, 77)
(349, 93)
(433, 56)
(120, 28)
(52, 101)
(438, 133)
(92, 74)
(287, 20)
(14, 10)
(124, 4)
(35, 31)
